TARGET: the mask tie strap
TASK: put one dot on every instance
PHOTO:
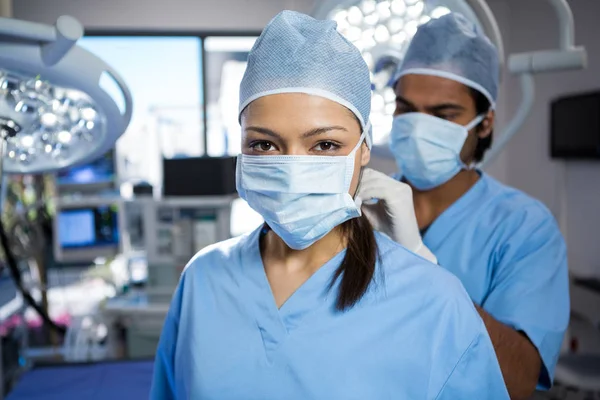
(468, 127)
(349, 165)
(475, 122)
(360, 140)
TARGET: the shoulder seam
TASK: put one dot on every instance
(456, 365)
(395, 246)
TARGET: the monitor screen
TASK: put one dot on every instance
(88, 227)
(100, 171)
(575, 127)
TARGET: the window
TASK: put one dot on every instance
(225, 60)
(225, 63)
(164, 75)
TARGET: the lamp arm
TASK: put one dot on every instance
(25, 30)
(528, 96)
(567, 57)
(55, 41)
(566, 24)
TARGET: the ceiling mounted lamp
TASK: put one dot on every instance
(60, 105)
(383, 29)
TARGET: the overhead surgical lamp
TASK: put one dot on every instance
(383, 29)
(60, 105)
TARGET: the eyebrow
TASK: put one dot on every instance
(264, 131)
(322, 130)
(307, 134)
(433, 109)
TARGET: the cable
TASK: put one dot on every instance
(16, 275)
(6, 131)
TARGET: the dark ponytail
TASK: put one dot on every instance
(358, 266)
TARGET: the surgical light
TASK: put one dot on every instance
(355, 16)
(381, 34)
(398, 7)
(411, 28)
(400, 38)
(424, 19)
(440, 12)
(395, 25)
(372, 19)
(382, 30)
(383, 44)
(383, 9)
(416, 10)
(59, 104)
(368, 6)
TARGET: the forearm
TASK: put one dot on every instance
(518, 358)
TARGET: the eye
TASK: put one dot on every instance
(326, 146)
(262, 145)
(447, 117)
(402, 108)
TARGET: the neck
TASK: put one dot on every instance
(432, 203)
(274, 250)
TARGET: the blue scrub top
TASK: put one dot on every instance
(508, 252)
(415, 334)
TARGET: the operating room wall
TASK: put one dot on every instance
(570, 189)
(217, 15)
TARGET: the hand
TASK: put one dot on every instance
(394, 212)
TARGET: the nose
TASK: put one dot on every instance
(294, 148)
(295, 151)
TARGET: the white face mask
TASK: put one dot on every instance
(427, 148)
(302, 198)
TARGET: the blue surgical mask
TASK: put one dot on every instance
(427, 148)
(302, 198)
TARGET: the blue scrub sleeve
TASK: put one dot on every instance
(163, 380)
(477, 374)
(530, 291)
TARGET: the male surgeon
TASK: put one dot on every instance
(503, 245)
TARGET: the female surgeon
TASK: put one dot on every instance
(315, 304)
(504, 246)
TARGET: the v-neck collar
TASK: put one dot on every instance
(275, 324)
(445, 223)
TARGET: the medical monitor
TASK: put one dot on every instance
(100, 174)
(85, 232)
(575, 127)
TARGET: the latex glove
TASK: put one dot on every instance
(388, 204)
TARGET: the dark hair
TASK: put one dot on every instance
(358, 266)
(482, 106)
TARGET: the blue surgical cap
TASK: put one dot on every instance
(453, 47)
(296, 53)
